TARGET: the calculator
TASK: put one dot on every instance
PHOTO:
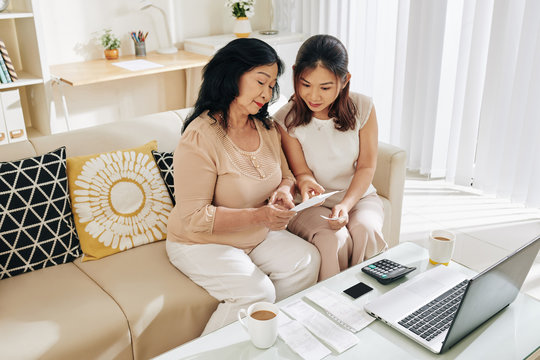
(385, 271)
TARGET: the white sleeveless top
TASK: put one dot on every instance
(331, 154)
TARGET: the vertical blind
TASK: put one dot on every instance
(455, 82)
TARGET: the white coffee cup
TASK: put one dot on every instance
(260, 321)
(441, 246)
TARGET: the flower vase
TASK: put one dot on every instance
(242, 27)
(111, 54)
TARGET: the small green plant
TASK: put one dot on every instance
(108, 40)
(241, 8)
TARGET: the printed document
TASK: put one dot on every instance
(302, 341)
(314, 201)
(342, 310)
(322, 327)
(135, 65)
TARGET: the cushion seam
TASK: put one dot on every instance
(117, 304)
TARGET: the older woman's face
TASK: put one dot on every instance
(255, 88)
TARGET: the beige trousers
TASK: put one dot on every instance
(280, 266)
(360, 239)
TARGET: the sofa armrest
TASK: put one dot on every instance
(17, 150)
(389, 180)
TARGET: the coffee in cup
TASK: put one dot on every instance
(263, 315)
(260, 321)
(441, 246)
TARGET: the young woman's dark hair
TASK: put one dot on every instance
(328, 52)
(222, 74)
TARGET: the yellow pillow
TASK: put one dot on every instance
(119, 200)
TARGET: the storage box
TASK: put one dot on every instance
(12, 127)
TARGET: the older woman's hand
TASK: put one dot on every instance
(274, 216)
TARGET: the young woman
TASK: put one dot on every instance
(222, 232)
(330, 140)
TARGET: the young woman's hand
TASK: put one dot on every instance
(308, 187)
(274, 216)
(342, 214)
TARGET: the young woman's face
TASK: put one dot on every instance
(319, 88)
(255, 88)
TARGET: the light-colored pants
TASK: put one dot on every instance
(281, 265)
(360, 239)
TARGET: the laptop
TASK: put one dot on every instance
(441, 306)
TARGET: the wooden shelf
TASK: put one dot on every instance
(19, 29)
(208, 45)
(15, 15)
(286, 45)
(102, 70)
(24, 79)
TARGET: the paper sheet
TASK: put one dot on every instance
(302, 341)
(135, 65)
(322, 327)
(342, 310)
(314, 201)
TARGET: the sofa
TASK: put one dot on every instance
(133, 304)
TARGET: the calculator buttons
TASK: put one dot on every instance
(385, 271)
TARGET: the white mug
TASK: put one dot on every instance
(441, 246)
(261, 323)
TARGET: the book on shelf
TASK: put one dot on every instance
(4, 74)
(7, 61)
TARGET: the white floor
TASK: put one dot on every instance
(486, 228)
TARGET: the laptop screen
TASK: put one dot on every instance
(491, 291)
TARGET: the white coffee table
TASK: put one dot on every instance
(514, 333)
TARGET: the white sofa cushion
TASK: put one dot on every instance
(60, 313)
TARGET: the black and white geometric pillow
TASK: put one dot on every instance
(36, 224)
(164, 161)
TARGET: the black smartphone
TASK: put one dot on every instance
(358, 290)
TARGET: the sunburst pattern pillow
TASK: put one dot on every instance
(119, 200)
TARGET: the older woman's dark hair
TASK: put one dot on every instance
(330, 53)
(222, 74)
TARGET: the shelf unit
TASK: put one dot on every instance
(286, 45)
(20, 29)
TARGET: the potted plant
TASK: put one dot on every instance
(241, 10)
(110, 43)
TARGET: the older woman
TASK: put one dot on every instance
(233, 189)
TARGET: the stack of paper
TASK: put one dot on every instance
(311, 327)
(341, 309)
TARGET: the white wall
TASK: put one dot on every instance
(70, 31)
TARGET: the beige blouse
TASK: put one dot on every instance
(211, 171)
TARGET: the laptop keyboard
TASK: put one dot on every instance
(435, 317)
